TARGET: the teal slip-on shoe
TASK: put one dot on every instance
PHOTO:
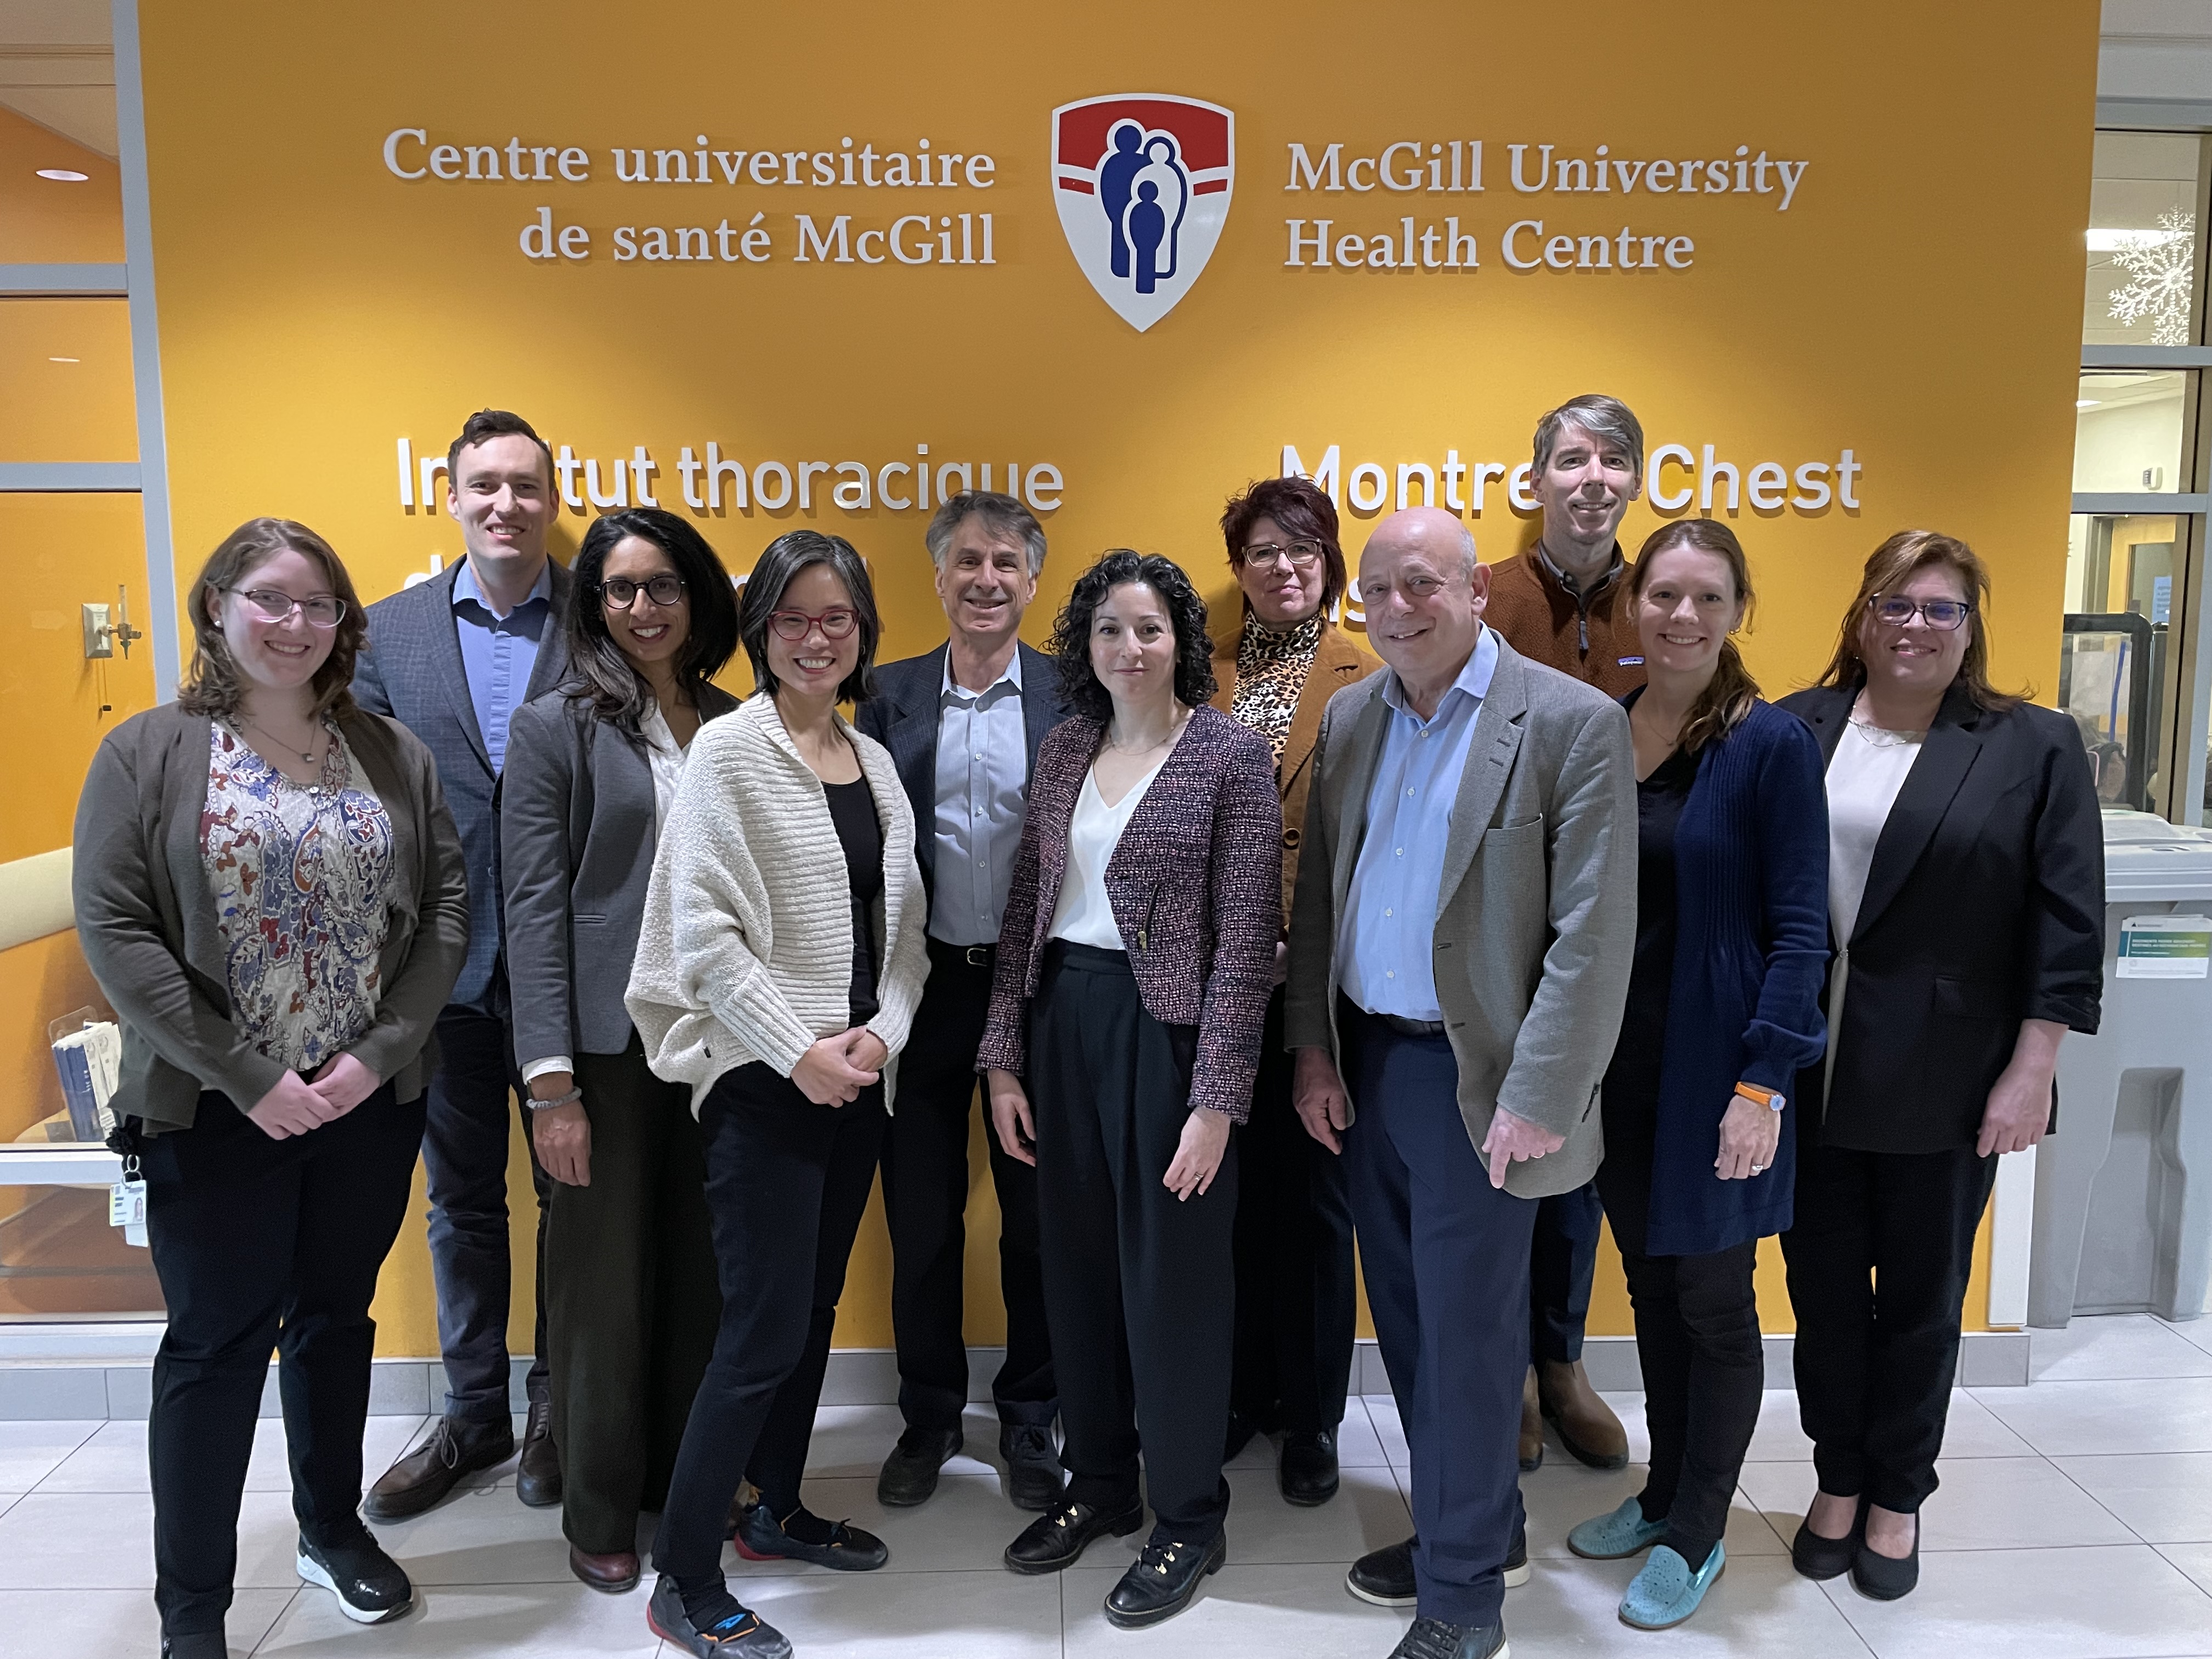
(1615, 1536)
(1666, 1592)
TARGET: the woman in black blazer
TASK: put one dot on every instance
(631, 1300)
(1966, 892)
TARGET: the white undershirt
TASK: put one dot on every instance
(1085, 915)
(1863, 778)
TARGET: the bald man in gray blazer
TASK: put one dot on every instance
(1460, 950)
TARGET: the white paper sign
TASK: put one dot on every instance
(2166, 947)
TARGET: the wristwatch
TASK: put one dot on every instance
(1771, 1099)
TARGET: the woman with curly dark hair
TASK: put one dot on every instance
(1135, 959)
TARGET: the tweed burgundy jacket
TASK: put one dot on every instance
(1196, 886)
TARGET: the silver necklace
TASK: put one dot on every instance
(306, 756)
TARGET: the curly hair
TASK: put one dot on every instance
(1120, 567)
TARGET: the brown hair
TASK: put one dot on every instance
(1888, 567)
(1303, 510)
(1728, 698)
(482, 428)
(212, 684)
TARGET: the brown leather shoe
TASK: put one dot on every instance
(616, 1573)
(455, 1449)
(1532, 1425)
(1587, 1426)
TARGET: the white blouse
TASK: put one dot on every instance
(1085, 915)
(1869, 768)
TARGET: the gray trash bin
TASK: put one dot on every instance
(2124, 1189)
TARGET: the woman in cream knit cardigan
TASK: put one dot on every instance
(777, 971)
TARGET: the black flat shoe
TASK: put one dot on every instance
(537, 1472)
(761, 1537)
(370, 1585)
(1160, 1583)
(1308, 1472)
(1384, 1577)
(743, 1635)
(1432, 1639)
(196, 1644)
(1884, 1578)
(1034, 1476)
(909, 1473)
(1823, 1558)
(1056, 1539)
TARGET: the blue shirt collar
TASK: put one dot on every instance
(466, 587)
(1013, 671)
(1473, 679)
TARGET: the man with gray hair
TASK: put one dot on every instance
(1564, 602)
(963, 723)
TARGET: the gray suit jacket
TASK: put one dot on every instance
(409, 668)
(1536, 913)
(577, 832)
(902, 716)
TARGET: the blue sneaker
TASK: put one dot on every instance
(1667, 1592)
(1614, 1537)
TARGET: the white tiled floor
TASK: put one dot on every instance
(2075, 1522)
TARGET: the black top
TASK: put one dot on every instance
(1632, 1081)
(853, 809)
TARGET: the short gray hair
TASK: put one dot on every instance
(1607, 419)
(1002, 514)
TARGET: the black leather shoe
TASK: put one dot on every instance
(1308, 1471)
(369, 1583)
(1057, 1538)
(1823, 1558)
(457, 1447)
(909, 1473)
(537, 1473)
(196, 1644)
(1160, 1583)
(761, 1537)
(1432, 1639)
(743, 1635)
(1884, 1578)
(1035, 1479)
(1385, 1576)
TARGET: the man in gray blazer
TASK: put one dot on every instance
(1459, 955)
(452, 659)
(963, 723)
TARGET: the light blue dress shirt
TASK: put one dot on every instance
(1386, 939)
(982, 774)
(499, 653)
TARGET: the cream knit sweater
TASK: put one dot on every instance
(746, 950)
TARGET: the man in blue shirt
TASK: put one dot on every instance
(452, 659)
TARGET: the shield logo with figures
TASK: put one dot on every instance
(1142, 181)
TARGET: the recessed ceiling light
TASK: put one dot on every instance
(61, 360)
(63, 175)
(2086, 403)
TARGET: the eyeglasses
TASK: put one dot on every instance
(1302, 553)
(1895, 610)
(793, 625)
(620, 592)
(274, 605)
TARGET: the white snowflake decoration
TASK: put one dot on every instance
(2162, 266)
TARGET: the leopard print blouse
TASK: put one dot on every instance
(1271, 673)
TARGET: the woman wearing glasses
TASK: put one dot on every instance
(590, 771)
(778, 967)
(1278, 657)
(270, 892)
(1965, 906)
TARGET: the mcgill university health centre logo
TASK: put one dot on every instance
(1142, 181)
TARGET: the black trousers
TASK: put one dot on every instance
(1562, 1261)
(465, 1152)
(263, 1244)
(926, 1207)
(1139, 1286)
(787, 1183)
(1697, 1338)
(1878, 1265)
(1296, 1281)
(631, 1302)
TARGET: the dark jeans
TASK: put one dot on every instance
(1878, 1264)
(1295, 1285)
(1562, 1261)
(1697, 1337)
(787, 1183)
(1446, 1257)
(263, 1244)
(465, 1151)
(631, 1300)
(926, 1207)
(1140, 1286)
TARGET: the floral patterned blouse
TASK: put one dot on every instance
(302, 878)
(1271, 673)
